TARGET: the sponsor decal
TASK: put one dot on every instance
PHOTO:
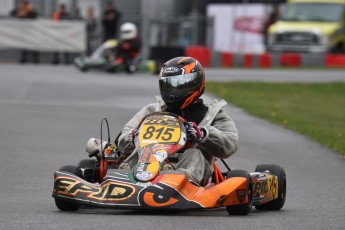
(267, 188)
(260, 187)
(144, 184)
(273, 187)
(149, 141)
(249, 24)
(111, 191)
(171, 70)
(145, 157)
(165, 196)
(241, 194)
(143, 175)
(141, 166)
(71, 186)
(162, 120)
(161, 156)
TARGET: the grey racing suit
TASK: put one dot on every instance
(220, 140)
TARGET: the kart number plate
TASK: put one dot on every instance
(159, 134)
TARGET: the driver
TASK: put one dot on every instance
(129, 46)
(210, 130)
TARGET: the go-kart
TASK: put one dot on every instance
(105, 58)
(155, 184)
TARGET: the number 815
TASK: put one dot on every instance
(166, 135)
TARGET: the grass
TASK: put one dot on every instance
(315, 110)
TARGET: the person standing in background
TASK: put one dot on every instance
(25, 10)
(110, 20)
(61, 14)
(31, 11)
(91, 28)
(77, 15)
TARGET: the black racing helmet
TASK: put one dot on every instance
(181, 82)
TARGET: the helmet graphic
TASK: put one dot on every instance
(181, 82)
(128, 31)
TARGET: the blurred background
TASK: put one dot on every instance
(241, 33)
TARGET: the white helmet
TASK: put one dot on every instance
(128, 31)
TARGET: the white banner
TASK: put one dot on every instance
(5, 7)
(43, 35)
(237, 27)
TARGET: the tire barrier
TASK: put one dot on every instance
(227, 59)
(335, 60)
(265, 61)
(290, 60)
(268, 60)
(248, 60)
(201, 53)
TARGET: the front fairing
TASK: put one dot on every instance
(170, 190)
(159, 136)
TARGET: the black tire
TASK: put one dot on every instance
(63, 204)
(89, 170)
(83, 69)
(87, 163)
(242, 209)
(110, 68)
(278, 203)
(130, 69)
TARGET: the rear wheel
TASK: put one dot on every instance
(63, 204)
(242, 209)
(83, 69)
(110, 68)
(276, 170)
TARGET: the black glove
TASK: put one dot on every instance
(194, 132)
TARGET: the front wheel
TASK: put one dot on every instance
(63, 204)
(241, 209)
(278, 171)
(83, 69)
(89, 170)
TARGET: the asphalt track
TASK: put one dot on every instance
(47, 114)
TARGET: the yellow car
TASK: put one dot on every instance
(309, 26)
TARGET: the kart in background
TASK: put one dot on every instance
(104, 58)
(155, 184)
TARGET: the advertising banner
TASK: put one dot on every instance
(237, 27)
(5, 7)
(43, 35)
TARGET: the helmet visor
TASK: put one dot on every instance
(176, 88)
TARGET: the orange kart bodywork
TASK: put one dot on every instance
(169, 190)
(148, 185)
